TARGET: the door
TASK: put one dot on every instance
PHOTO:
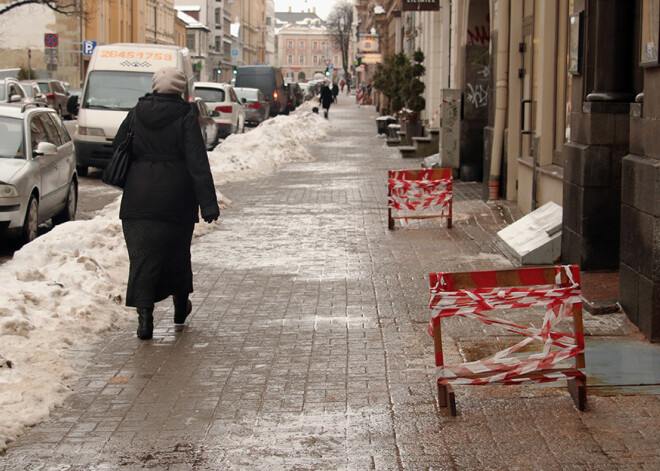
(48, 168)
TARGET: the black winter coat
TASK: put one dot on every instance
(170, 177)
(326, 97)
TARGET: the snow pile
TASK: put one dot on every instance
(263, 149)
(60, 293)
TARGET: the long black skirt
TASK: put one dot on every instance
(159, 254)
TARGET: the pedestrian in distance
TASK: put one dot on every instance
(169, 180)
(335, 92)
(325, 99)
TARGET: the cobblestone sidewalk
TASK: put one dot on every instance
(307, 347)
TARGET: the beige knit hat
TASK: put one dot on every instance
(169, 80)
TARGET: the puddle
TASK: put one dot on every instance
(622, 366)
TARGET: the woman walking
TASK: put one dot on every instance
(168, 182)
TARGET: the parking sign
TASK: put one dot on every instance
(88, 47)
(50, 40)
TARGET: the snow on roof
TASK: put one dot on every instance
(190, 21)
(378, 10)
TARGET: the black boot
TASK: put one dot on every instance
(182, 307)
(145, 329)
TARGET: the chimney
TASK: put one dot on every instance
(314, 10)
(289, 8)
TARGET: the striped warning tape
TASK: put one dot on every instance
(509, 366)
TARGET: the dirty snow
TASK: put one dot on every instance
(62, 292)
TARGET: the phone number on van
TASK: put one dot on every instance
(157, 56)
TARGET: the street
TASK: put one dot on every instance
(307, 348)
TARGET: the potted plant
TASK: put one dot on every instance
(398, 78)
(412, 90)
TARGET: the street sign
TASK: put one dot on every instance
(234, 52)
(50, 40)
(327, 62)
(88, 47)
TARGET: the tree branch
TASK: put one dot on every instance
(69, 8)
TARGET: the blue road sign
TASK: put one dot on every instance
(88, 47)
(234, 52)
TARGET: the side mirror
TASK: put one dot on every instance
(45, 148)
(72, 105)
(215, 114)
(15, 98)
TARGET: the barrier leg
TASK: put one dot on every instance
(390, 221)
(446, 398)
(577, 388)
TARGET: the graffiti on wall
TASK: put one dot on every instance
(479, 35)
(477, 95)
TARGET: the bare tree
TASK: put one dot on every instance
(65, 7)
(340, 25)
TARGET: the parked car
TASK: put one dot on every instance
(290, 99)
(307, 91)
(56, 95)
(255, 104)
(207, 123)
(297, 93)
(267, 79)
(33, 92)
(221, 97)
(38, 179)
(11, 91)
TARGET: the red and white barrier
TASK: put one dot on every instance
(491, 290)
(417, 190)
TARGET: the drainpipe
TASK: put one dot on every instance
(501, 97)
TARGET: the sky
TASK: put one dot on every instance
(322, 7)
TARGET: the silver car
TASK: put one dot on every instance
(255, 104)
(33, 93)
(38, 179)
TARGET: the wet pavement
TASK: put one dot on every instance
(307, 348)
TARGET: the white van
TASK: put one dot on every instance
(118, 75)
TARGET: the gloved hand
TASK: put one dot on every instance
(213, 216)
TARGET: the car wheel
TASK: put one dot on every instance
(31, 223)
(82, 170)
(69, 211)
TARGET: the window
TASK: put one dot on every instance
(315, 45)
(323, 45)
(336, 59)
(37, 132)
(218, 16)
(210, 95)
(51, 131)
(315, 60)
(301, 59)
(218, 44)
(289, 44)
(61, 130)
(290, 59)
(301, 44)
(336, 46)
(268, 21)
(190, 41)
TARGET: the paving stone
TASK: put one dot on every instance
(307, 347)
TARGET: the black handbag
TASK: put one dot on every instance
(117, 170)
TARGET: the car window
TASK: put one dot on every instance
(11, 138)
(232, 95)
(57, 87)
(61, 130)
(44, 87)
(2, 91)
(28, 90)
(16, 90)
(115, 90)
(210, 95)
